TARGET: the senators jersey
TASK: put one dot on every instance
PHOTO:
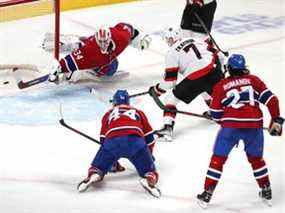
(89, 55)
(125, 120)
(236, 102)
(190, 58)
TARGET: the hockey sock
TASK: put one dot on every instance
(260, 171)
(214, 172)
(167, 115)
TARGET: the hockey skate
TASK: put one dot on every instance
(149, 182)
(266, 195)
(165, 134)
(87, 182)
(204, 199)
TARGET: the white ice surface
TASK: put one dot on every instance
(41, 162)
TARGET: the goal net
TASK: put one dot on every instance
(23, 26)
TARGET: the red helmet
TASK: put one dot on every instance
(103, 38)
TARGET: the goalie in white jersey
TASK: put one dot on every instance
(200, 66)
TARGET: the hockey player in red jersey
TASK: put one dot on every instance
(235, 106)
(199, 65)
(97, 54)
(125, 133)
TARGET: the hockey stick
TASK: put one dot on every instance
(135, 95)
(62, 122)
(23, 85)
(163, 107)
(226, 53)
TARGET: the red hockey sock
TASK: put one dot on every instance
(214, 172)
(260, 171)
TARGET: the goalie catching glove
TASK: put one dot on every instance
(141, 41)
(67, 42)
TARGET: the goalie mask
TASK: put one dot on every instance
(103, 38)
(171, 36)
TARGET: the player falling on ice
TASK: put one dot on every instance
(199, 65)
(97, 54)
(235, 106)
(125, 133)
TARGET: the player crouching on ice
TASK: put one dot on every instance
(97, 54)
(235, 106)
(125, 133)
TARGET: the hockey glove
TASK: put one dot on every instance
(196, 5)
(156, 90)
(145, 42)
(275, 127)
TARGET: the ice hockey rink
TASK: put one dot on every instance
(41, 162)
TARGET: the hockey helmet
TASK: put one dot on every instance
(121, 97)
(103, 38)
(236, 65)
(171, 36)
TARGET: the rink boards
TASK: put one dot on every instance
(19, 9)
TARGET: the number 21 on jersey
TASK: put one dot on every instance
(237, 100)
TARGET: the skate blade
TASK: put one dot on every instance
(202, 204)
(164, 138)
(155, 192)
(267, 202)
(82, 186)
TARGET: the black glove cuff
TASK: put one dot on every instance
(158, 89)
(279, 120)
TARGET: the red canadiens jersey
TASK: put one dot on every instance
(236, 102)
(125, 120)
(89, 55)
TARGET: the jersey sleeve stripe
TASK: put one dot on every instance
(265, 96)
(70, 63)
(149, 139)
(216, 115)
(171, 74)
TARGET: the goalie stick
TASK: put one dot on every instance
(22, 85)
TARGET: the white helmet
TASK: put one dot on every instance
(171, 36)
(103, 38)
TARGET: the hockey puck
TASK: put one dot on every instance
(6, 82)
